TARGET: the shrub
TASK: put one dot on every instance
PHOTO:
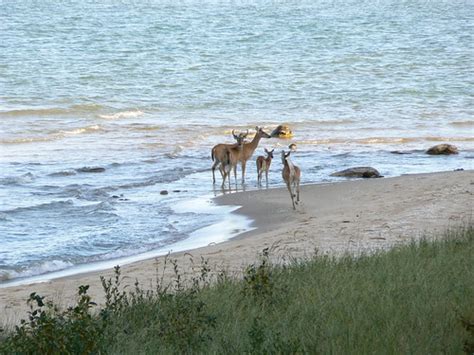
(48, 330)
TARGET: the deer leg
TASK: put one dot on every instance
(298, 191)
(213, 171)
(295, 190)
(224, 175)
(288, 185)
(243, 172)
(235, 173)
(266, 176)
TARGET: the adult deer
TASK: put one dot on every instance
(291, 175)
(229, 159)
(249, 148)
(263, 165)
(220, 154)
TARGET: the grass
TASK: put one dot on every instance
(417, 298)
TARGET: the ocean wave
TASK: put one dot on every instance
(67, 208)
(28, 140)
(175, 153)
(52, 111)
(89, 169)
(63, 173)
(449, 139)
(332, 122)
(42, 206)
(167, 176)
(80, 130)
(17, 180)
(52, 136)
(98, 207)
(85, 192)
(144, 127)
(462, 123)
(122, 114)
(385, 140)
(38, 269)
(84, 169)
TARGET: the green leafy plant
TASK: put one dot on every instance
(50, 331)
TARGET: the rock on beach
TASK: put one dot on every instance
(282, 131)
(358, 172)
(443, 149)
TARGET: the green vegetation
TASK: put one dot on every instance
(417, 298)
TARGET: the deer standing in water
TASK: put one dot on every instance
(222, 157)
(263, 165)
(230, 158)
(249, 148)
(291, 175)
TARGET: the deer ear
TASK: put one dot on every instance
(272, 150)
(266, 151)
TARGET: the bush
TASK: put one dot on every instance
(50, 331)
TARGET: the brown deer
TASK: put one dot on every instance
(230, 158)
(263, 165)
(219, 153)
(291, 175)
(249, 148)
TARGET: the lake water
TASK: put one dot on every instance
(103, 105)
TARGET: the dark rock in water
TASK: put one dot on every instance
(459, 169)
(358, 172)
(282, 131)
(399, 152)
(163, 192)
(63, 173)
(443, 149)
(88, 169)
(176, 190)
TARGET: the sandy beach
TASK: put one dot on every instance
(355, 216)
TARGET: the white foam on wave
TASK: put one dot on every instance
(43, 268)
(122, 114)
(228, 227)
(52, 136)
(81, 130)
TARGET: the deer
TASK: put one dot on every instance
(249, 148)
(291, 175)
(219, 153)
(229, 160)
(263, 165)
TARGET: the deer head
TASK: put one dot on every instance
(269, 153)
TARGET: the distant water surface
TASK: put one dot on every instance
(103, 105)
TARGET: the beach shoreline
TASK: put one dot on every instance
(352, 216)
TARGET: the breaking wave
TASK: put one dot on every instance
(41, 268)
(122, 114)
(53, 111)
(17, 180)
(55, 135)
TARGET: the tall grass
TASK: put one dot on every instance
(417, 298)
